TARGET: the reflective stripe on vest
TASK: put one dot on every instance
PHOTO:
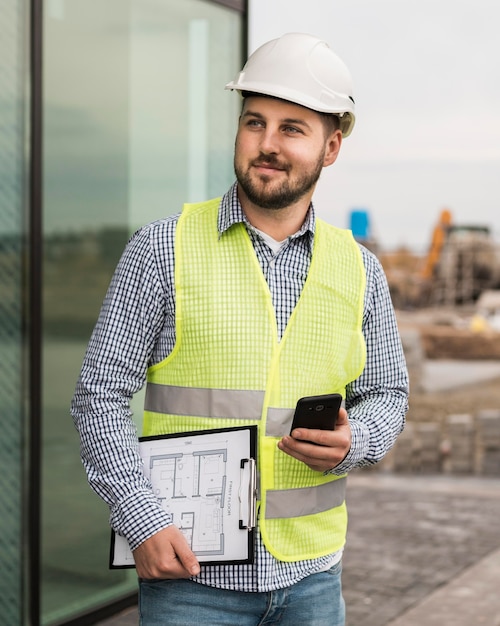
(244, 404)
(305, 500)
(202, 402)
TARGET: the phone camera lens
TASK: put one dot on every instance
(320, 407)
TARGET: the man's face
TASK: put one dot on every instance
(280, 151)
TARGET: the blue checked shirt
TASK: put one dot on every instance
(136, 329)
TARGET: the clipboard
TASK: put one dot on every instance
(207, 481)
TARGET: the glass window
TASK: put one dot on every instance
(136, 122)
(13, 381)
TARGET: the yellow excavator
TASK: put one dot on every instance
(439, 235)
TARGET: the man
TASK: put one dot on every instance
(250, 292)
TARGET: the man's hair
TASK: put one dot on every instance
(330, 121)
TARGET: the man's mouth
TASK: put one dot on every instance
(270, 165)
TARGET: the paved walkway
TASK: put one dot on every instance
(469, 599)
(428, 555)
(421, 551)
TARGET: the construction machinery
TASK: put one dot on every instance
(462, 262)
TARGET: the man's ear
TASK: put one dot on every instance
(332, 148)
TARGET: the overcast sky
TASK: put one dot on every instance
(427, 87)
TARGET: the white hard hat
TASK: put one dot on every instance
(301, 69)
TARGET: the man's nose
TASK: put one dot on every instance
(270, 143)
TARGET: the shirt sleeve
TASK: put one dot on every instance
(114, 368)
(377, 401)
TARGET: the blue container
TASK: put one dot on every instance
(360, 224)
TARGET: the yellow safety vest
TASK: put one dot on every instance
(228, 367)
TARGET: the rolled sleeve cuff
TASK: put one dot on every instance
(138, 518)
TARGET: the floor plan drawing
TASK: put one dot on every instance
(206, 482)
(197, 478)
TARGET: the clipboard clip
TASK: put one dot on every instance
(248, 497)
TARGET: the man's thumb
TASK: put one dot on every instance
(187, 557)
(342, 417)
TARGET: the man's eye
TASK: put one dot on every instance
(292, 130)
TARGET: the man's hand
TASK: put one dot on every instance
(166, 555)
(332, 449)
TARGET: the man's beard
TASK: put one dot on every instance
(276, 197)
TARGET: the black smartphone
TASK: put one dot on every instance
(317, 412)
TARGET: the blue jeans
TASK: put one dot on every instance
(314, 601)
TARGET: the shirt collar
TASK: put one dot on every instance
(230, 213)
